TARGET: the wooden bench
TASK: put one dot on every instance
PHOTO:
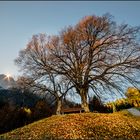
(71, 110)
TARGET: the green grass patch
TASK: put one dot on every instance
(138, 108)
(80, 126)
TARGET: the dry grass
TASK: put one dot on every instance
(81, 126)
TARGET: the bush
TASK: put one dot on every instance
(118, 105)
(41, 110)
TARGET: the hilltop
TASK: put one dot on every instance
(80, 126)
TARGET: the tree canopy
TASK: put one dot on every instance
(95, 55)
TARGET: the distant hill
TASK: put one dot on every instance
(6, 82)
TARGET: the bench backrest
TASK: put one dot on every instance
(71, 110)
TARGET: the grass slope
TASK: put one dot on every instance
(80, 126)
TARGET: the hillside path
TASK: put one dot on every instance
(134, 111)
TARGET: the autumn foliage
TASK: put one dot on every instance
(133, 96)
(81, 126)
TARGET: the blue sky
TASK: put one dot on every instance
(20, 20)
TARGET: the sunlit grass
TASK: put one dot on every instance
(81, 126)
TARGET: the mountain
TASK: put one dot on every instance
(6, 82)
(15, 97)
(9, 93)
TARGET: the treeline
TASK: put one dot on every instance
(132, 100)
(18, 109)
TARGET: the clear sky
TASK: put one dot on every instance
(20, 20)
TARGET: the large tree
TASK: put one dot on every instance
(96, 54)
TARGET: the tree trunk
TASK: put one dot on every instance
(114, 107)
(84, 104)
(58, 109)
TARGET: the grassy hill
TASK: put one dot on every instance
(80, 126)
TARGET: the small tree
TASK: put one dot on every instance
(133, 96)
(51, 87)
